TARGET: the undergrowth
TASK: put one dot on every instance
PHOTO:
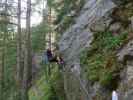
(48, 87)
(100, 62)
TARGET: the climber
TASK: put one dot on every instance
(60, 60)
(53, 56)
(114, 95)
(50, 56)
(60, 63)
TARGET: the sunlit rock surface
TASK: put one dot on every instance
(75, 40)
(125, 55)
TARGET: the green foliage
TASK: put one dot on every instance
(108, 41)
(106, 78)
(63, 9)
(38, 43)
(49, 87)
(67, 21)
(9, 68)
(58, 84)
(39, 37)
(100, 62)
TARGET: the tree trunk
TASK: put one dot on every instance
(50, 30)
(3, 53)
(20, 67)
(2, 74)
(28, 58)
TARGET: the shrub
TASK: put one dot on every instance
(99, 61)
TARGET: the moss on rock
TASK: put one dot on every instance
(100, 62)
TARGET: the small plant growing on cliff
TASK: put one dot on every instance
(100, 62)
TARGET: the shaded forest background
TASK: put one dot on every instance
(19, 44)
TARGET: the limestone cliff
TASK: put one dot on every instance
(96, 16)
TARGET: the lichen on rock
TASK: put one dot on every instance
(114, 19)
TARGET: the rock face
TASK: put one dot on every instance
(126, 51)
(132, 23)
(75, 40)
(97, 16)
(115, 27)
(77, 37)
(126, 86)
(101, 25)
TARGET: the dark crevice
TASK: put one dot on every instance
(127, 58)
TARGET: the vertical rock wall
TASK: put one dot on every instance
(75, 40)
(125, 55)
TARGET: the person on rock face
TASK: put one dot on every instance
(60, 62)
(49, 54)
(51, 57)
(54, 57)
(114, 95)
